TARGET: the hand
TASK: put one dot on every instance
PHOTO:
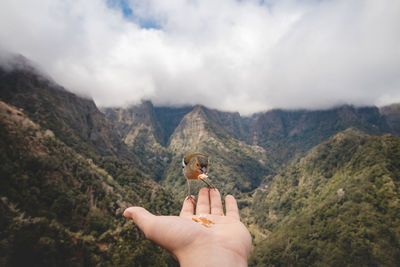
(226, 242)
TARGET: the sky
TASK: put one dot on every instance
(233, 55)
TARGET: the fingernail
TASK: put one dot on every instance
(127, 214)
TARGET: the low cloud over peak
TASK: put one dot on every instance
(244, 56)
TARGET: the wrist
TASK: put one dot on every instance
(211, 256)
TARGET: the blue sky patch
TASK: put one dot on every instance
(129, 14)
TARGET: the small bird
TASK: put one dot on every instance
(195, 167)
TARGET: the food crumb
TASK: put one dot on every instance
(204, 221)
(203, 176)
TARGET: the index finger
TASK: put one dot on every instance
(203, 202)
(231, 207)
(188, 206)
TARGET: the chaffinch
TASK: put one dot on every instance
(195, 167)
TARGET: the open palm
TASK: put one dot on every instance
(225, 241)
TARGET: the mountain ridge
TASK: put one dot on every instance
(74, 119)
(314, 187)
(288, 134)
(198, 131)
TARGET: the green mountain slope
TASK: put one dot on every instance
(142, 133)
(286, 135)
(338, 206)
(391, 114)
(235, 166)
(74, 120)
(67, 171)
(60, 209)
(169, 118)
(289, 134)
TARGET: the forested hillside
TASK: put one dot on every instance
(65, 180)
(314, 187)
(58, 208)
(337, 206)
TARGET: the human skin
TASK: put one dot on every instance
(226, 242)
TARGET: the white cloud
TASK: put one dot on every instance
(233, 55)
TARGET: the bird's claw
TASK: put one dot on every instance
(191, 198)
(209, 186)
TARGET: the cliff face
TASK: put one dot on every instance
(141, 132)
(391, 114)
(235, 166)
(314, 187)
(75, 120)
(230, 122)
(289, 134)
(197, 129)
(136, 122)
(192, 131)
(169, 118)
(270, 139)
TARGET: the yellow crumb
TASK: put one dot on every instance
(203, 176)
(204, 221)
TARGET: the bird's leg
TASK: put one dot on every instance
(188, 183)
(208, 184)
(189, 196)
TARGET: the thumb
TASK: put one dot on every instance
(142, 218)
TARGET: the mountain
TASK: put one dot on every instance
(337, 206)
(289, 134)
(261, 143)
(235, 166)
(286, 134)
(231, 122)
(75, 120)
(141, 132)
(196, 129)
(169, 118)
(136, 121)
(58, 208)
(392, 116)
(314, 187)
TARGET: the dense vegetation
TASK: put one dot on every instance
(67, 172)
(60, 209)
(235, 168)
(338, 206)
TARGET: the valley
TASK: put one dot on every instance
(315, 187)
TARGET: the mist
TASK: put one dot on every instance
(244, 56)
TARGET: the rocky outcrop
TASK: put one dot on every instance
(391, 114)
(235, 165)
(75, 120)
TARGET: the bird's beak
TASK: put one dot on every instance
(204, 170)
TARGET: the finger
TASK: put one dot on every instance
(163, 230)
(231, 207)
(203, 202)
(188, 206)
(142, 218)
(216, 203)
